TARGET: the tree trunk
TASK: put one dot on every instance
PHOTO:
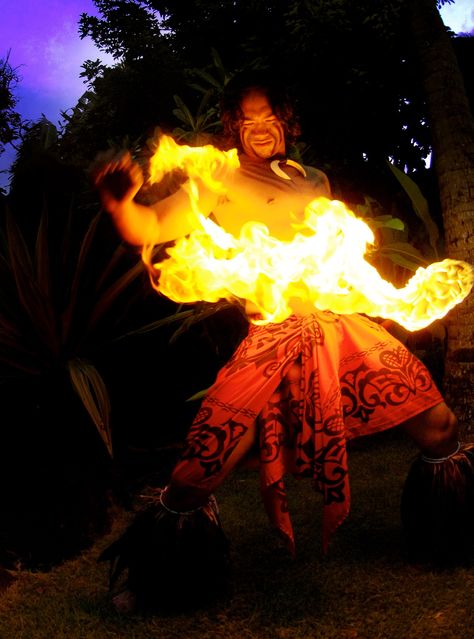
(452, 129)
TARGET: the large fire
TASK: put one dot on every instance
(323, 267)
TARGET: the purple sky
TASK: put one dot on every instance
(42, 37)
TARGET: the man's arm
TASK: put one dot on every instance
(118, 179)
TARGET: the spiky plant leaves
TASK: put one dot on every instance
(107, 297)
(90, 387)
(15, 356)
(113, 263)
(46, 323)
(164, 321)
(187, 318)
(84, 252)
(42, 265)
(33, 301)
(201, 312)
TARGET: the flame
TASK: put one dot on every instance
(323, 267)
(202, 162)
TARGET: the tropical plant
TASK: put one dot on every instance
(10, 120)
(209, 82)
(51, 315)
(198, 129)
(211, 79)
(394, 245)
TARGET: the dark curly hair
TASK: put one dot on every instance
(263, 82)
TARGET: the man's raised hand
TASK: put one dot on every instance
(117, 177)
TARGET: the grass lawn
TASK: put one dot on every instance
(362, 589)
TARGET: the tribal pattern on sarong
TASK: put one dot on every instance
(306, 385)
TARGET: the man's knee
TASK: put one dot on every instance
(435, 430)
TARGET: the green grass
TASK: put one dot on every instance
(362, 589)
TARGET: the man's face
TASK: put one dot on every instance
(261, 132)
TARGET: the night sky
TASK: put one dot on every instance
(42, 38)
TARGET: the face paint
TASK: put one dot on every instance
(261, 132)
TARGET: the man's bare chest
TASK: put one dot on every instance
(277, 205)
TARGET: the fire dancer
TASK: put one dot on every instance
(294, 392)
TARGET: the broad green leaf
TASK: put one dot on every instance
(387, 222)
(205, 75)
(204, 102)
(198, 87)
(181, 115)
(420, 205)
(187, 115)
(403, 254)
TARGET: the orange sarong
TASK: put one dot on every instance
(310, 384)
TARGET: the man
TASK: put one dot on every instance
(296, 391)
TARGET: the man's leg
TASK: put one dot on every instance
(175, 550)
(438, 497)
(435, 431)
(189, 488)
